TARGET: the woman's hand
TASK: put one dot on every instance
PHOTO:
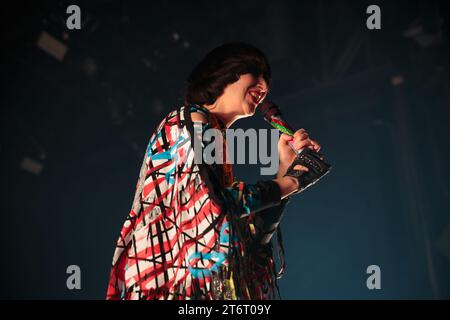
(288, 185)
(287, 155)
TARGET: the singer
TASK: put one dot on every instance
(194, 232)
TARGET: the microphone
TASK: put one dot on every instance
(273, 116)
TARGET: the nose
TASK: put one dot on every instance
(262, 91)
(262, 86)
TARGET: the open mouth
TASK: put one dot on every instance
(256, 96)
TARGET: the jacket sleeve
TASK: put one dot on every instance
(245, 198)
(268, 220)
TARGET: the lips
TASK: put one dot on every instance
(256, 96)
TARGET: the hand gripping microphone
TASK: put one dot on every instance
(270, 222)
(305, 157)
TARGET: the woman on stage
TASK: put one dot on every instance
(194, 232)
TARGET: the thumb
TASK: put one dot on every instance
(285, 138)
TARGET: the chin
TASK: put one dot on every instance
(250, 110)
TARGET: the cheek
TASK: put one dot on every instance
(237, 93)
(242, 97)
(247, 102)
(247, 97)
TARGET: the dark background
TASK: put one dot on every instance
(377, 100)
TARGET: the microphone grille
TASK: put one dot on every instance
(272, 115)
(269, 110)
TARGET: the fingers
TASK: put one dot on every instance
(300, 144)
(302, 140)
(300, 167)
(300, 135)
(285, 137)
(316, 145)
(299, 131)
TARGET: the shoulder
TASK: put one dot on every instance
(184, 119)
(198, 113)
(198, 117)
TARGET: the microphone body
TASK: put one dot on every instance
(306, 157)
(273, 116)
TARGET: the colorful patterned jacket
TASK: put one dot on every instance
(188, 234)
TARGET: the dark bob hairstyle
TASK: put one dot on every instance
(221, 67)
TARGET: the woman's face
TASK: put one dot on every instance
(244, 95)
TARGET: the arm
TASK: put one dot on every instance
(247, 198)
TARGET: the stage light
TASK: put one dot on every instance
(32, 166)
(52, 46)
